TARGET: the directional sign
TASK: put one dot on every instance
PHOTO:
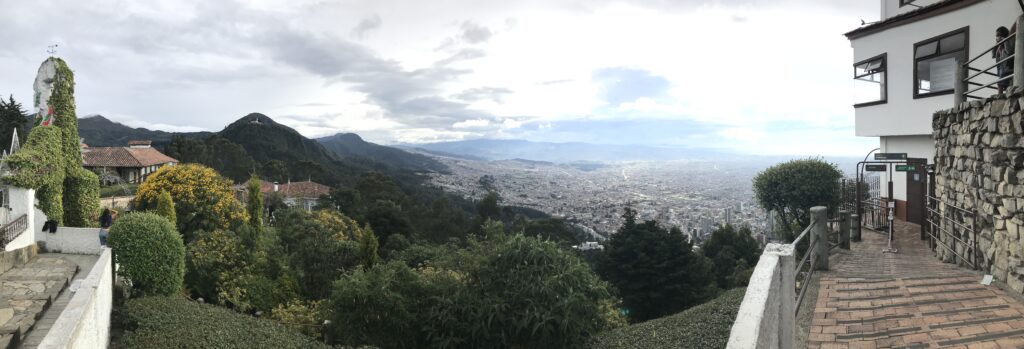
(906, 168)
(875, 168)
(890, 156)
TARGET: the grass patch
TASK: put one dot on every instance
(703, 326)
(118, 190)
(176, 322)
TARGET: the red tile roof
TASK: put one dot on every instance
(124, 157)
(306, 189)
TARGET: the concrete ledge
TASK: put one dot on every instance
(85, 322)
(11, 259)
(766, 318)
(72, 240)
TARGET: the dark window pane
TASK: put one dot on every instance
(926, 49)
(936, 74)
(952, 43)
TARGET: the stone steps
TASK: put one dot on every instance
(27, 291)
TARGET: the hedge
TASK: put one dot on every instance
(703, 326)
(150, 253)
(176, 322)
(81, 198)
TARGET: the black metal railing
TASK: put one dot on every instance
(971, 81)
(951, 226)
(12, 230)
(809, 259)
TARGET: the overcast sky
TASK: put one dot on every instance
(756, 76)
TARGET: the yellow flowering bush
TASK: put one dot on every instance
(203, 199)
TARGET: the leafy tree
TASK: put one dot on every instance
(275, 171)
(204, 199)
(254, 205)
(732, 252)
(792, 188)
(12, 117)
(525, 293)
(655, 270)
(165, 207)
(368, 246)
(320, 246)
(488, 207)
(240, 269)
(387, 218)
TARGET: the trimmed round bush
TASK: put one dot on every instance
(149, 252)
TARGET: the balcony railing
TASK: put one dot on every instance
(973, 81)
(779, 282)
(12, 230)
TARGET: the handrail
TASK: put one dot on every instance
(966, 75)
(12, 230)
(1012, 36)
(804, 233)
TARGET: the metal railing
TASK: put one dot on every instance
(821, 233)
(950, 226)
(12, 230)
(969, 79)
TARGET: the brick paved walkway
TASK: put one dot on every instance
(872, 299)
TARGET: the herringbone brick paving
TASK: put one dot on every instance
(909, 299)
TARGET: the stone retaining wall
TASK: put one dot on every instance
(979, 166)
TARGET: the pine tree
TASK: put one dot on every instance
(368, 247)
(255, 203)
(165, 207)
(12, 117)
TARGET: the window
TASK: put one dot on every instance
(935, 62)
(871, 81)
(906, 2)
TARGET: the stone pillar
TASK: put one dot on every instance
(819, 230)
(844, 230)
(855, 227)
(787, 304)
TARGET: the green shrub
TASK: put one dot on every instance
(174, 322)
(387, 305)
(81, 198)
(150, 253)
(704, 326)
(165, 207)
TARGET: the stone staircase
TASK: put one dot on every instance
(28, 287)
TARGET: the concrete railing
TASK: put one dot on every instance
(85, 322)
(767, 316)
(71, 240)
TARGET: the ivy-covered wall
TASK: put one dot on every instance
(51, 159)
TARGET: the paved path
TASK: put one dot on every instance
(909, 299)
(49, 316)
(26, 291)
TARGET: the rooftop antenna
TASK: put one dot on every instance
(52, 50)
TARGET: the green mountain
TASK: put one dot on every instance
(98, 131)
(350, 145)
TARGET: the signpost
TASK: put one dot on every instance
(876, 168)
(906, 168)
(890, 156)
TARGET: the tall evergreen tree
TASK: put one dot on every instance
(255, 203)
(732, 251)
(655, 270)
(12, 117)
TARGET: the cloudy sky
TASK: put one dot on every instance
(755, 76)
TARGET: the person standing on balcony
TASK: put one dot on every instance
(1004, 51)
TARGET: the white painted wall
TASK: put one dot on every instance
(904, 115)
(72, 240)
(22, 201)
(766, 318)
(85, 322)
(915, 147)
(892, 7)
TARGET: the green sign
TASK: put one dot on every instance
(890, 156)
(906, 168)
(875, 168)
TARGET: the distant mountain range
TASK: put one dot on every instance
(255, 139)
(491, 149)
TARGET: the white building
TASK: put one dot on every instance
(905, 68)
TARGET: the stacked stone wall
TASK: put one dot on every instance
(979, 181)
